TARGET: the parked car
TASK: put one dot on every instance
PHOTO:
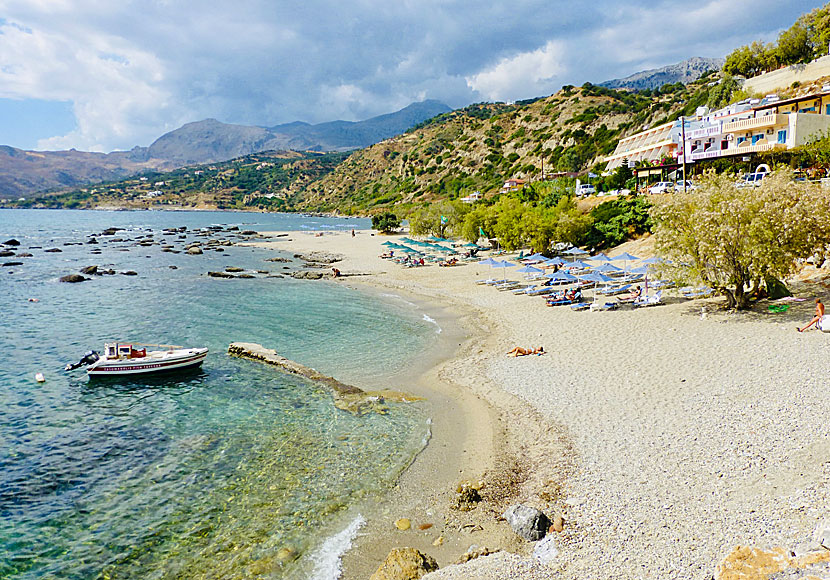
(752, 179)
(689, 186)
(662, 187)
(585, 189)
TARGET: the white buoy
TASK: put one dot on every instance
(40, 378)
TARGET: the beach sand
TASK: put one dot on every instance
(665, 436)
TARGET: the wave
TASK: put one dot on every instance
(326, 558)
(428, 318)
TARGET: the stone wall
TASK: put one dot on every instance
(784, 77)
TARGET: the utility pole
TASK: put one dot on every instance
(683, 137)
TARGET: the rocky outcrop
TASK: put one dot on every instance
(319, 257)
(405, 564)
(73, 278)
(346, 397)
(528, 522)
(307, 275)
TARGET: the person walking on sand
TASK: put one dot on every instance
(816, 318)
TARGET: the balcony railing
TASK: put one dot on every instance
(755, 123)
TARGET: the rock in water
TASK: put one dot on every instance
(528, 522)
(194, 251)
(73, 278)
(89, 270)
(6, 253)
(11, 242)
(405, 564)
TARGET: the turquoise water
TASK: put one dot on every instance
(207, 474)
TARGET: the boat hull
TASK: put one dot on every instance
(147, 365)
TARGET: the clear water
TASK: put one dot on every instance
(204, 475)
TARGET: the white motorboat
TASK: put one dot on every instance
(121, 359)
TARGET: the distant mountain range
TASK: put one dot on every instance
(683, 72)
(209, 141)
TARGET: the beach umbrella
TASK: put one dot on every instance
(487, 262)
(437, 239)
(607, 267)
(529, 270)
(654, 260)
(557, 261)
(503, 264)
(574, 251)
(625, 256)
(601, 257)
(595, 277)
(640, 270)
(537, 257)
(469, 245)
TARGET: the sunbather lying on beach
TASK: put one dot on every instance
(519, 351)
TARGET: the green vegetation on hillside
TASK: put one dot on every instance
(806, 40)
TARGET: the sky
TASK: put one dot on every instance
(103, 75)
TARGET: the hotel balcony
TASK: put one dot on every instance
(755, 123)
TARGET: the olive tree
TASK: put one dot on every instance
(732, 238)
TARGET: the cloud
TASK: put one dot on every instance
(134, 70)
(524, 74)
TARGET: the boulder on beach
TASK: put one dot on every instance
(528, 522)
(72, 278)
(306, 275)
(11, 242)
(319, 257)
(405, 564)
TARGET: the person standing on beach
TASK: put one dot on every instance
(816, 318)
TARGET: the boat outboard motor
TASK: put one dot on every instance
(89, 357)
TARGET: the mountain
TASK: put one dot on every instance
(23, 173)
(210, 141)
(682, 72)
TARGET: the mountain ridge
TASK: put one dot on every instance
(208, 141)
(684, 72)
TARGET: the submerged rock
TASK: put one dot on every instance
(11, 242)
(5, 264)
(528, 522)
(405, 564)
(53, 250)
(72, 278)
(194, 251)
(307, 275)
(6, 253)
(234, 269)
(90, 270)
(220, 275)
(24, 255)
(129, 273)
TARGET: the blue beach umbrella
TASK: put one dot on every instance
(529, 270)
(503, 264)
(601, 257)
(537, 257)
(557, 261)
(625, 256)
(487, 262)
(574, 251)
(606, 268)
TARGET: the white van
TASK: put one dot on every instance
(585, 189)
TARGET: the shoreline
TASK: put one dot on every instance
(478, 430)
(666, 436)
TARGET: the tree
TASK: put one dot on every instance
(438, 219)
(385, 222)
(732, 238)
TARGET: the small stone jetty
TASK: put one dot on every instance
(346, 397)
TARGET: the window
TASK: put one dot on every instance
(756, 138)
(741, 140)
(782, 135)
(827, 109)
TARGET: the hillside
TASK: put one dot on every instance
(683, 72)
(479, 147)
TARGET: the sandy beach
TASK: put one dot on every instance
(665, 436)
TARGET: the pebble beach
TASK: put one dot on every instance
(664, 436)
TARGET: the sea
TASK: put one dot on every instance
(236, 470)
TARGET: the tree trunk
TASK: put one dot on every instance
(730, 298)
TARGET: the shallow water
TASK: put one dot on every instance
(206, 474)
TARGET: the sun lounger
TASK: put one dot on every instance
(559, 302)
(541, 291)
(693, 293)
(614, 290)
(581, 306)
(652, 300)
(509, 286)
(608, 306)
